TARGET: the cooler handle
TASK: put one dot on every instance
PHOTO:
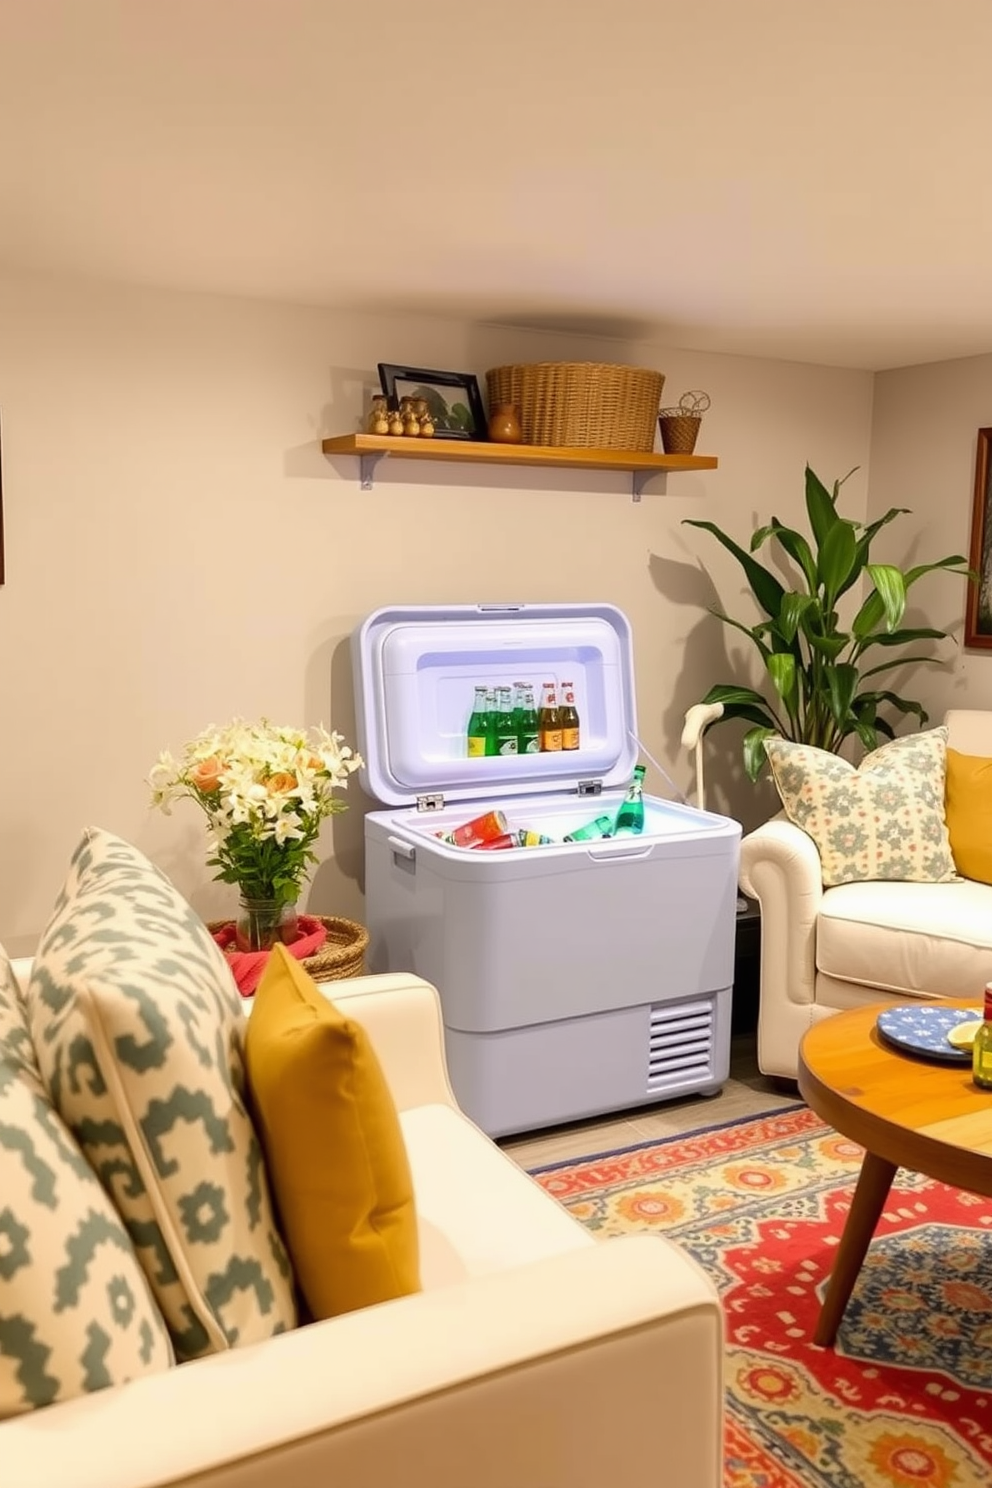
(610, 854)
(402, 849)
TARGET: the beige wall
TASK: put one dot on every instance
(179, 550)
(924, 435)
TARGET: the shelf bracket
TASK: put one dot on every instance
(640, 478)
(368, 464)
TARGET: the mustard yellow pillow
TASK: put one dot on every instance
(968, 804)
(336, 1158)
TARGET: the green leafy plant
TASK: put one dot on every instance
(815, 666)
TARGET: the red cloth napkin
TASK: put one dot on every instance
(247, 966)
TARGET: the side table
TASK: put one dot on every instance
(747, 969)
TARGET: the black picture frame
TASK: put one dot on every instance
(454, 417)
(978, 614)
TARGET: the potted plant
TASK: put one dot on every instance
(265, 790)
(817, 667)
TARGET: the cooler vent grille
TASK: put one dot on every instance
(680, 1043)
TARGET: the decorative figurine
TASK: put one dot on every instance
(378, 419)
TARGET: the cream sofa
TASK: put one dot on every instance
(827, 949)
(534, 1357)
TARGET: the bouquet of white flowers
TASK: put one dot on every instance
(265, 791)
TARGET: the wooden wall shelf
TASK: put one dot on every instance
(371, 448)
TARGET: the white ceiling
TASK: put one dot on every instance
(788, 178)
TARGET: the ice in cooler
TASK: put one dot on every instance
(575, 977)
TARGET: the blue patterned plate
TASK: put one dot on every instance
(922, 1029)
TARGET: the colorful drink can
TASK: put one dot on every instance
(496, 844)
(480, 829)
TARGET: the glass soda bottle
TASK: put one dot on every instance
(528, 729)
(549, 719)
(506, 729)
(569, 718)
(476, 731)
(981, 1051)
(601, 827)
(630, 817)
(492, 719)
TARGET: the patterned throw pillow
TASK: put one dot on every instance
(76, 1313)
(884, 820)
(139, 1027)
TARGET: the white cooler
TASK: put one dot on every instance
(575, 978)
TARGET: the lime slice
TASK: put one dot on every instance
(962, 1036)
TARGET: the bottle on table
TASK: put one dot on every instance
(492, 721)
(569, 717)
(506, 728)
(528, 728)
(601, 827)
(476, 733)
(630, 817)
(549, 719)
(981, 1050)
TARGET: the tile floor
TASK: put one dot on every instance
(747, 1092)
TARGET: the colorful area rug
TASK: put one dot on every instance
(904, 1400)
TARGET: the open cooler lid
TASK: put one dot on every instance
(416, 669)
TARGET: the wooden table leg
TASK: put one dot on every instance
(869, 1200)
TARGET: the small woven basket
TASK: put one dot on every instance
(343, 952)
(680, 426)
(678, 431)
(581, 405)
(342, 955)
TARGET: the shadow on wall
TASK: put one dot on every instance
(337, 886)
(706, 661)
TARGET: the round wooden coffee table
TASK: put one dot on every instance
(905, 1112)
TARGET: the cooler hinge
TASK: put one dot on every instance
(590, 787)
(432, 802)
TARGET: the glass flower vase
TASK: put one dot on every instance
(261, 922)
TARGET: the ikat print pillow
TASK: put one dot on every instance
(883, 820)
(76, 1313)
(139, 1031)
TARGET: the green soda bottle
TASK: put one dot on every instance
(601, 827)
(630, 817)
(476, 731)
(981, 1049)
(528, 730)
(506, 729)
(492, 741)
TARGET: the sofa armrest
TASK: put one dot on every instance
(401, 1013)
(580, 1368)
(780, 867)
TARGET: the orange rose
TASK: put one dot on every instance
(280, 782)
(205, 774)
(315, 762)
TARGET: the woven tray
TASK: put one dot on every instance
(581, 405)
(342, 955)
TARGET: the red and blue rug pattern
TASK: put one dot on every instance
(904, 1399)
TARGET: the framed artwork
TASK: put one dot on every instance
(453, 398)
(978, 618)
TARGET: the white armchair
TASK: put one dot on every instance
(534, 1356)
(823, 950)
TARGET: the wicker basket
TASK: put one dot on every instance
(679, 432)
(342, 955)
(581, 405)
